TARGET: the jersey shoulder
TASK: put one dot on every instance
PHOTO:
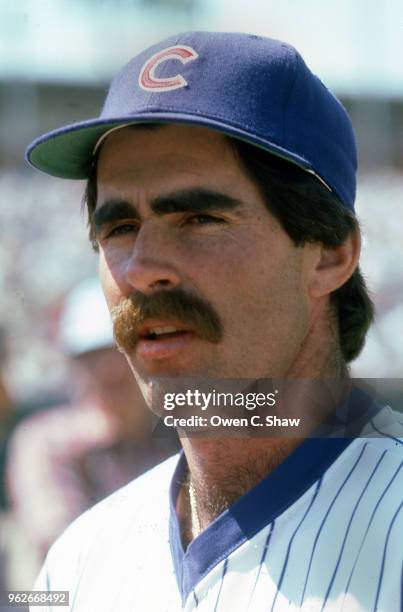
(139, 506)
(385, 431)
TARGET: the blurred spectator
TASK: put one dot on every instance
(6, 413)
(383, 346)
(12, 412)
(63, 460)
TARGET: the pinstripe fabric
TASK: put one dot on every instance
(324, 536)
(224, 572)
(340, 557)
(322, 525)
(335, 545)
(262, 560)
(378, 503)
(280, 582)
(386, 434)
(382, 571)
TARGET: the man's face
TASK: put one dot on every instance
(177, 211)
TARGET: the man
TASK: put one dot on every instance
(221, 185)
(63, 460)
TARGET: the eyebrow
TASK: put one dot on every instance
(193, 200)
(188, 200)
(111, 211)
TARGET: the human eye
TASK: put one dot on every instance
(204, 219)
(120, 230)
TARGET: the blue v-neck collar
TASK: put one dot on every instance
(259, 506)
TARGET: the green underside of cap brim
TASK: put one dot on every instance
(69, 153)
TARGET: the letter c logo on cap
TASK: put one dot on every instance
(147, 78)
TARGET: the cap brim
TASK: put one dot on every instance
(67, 152)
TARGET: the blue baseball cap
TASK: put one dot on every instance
(249, 87)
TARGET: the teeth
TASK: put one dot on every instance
(157, 331)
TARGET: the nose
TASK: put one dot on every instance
(152, 267)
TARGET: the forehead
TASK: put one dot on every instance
(164, 136)
(158, 152)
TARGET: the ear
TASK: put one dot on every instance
(334, 265)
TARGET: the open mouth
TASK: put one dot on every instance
(163, 333)
(160, 341)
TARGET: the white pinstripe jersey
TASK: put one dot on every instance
(323, 532)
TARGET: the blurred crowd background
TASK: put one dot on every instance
(56, 60)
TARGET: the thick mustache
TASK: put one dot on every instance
(174, 304)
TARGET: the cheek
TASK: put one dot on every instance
(218, 258)
(111, 278)
(266, 299)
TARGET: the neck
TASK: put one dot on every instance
(221, 470)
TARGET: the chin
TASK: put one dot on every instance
(153, 388)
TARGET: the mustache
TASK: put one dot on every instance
(174, 304)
